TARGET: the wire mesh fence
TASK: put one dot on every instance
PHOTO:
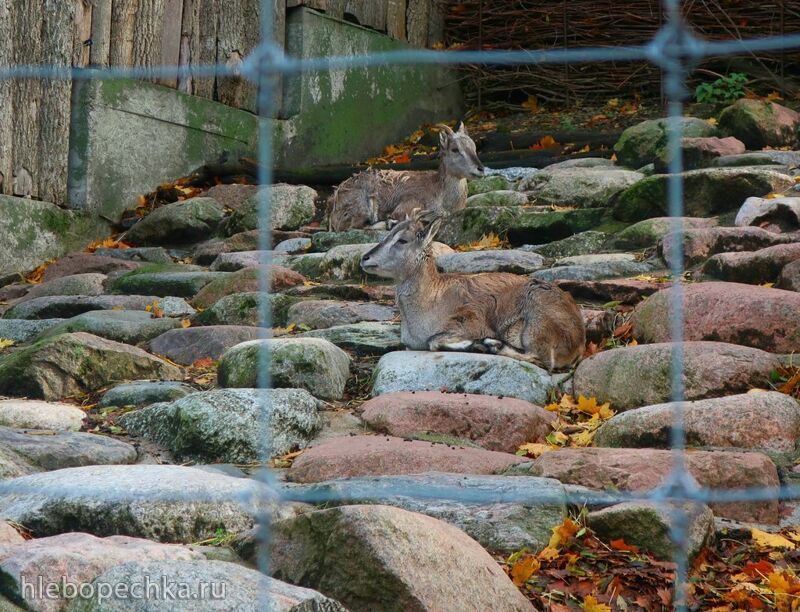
(675, 50)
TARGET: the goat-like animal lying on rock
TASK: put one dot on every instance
(496, 312)
(377, 195)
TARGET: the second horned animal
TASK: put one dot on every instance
(373, 196)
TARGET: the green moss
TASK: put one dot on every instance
(642, 200)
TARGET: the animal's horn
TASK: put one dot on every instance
(445, 128)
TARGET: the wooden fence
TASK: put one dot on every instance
(35, 114)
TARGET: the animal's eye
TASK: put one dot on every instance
(402, 241)
(454, 150)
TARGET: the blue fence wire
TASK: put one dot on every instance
(675, 49)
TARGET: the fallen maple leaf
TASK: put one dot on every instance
(761, 568)
(487, 242)
(590, 604)
(36, 276)
(523, 569)
(186, 323)
(770, 540)
(108, 243)
(203, 362)
(532, 104)
(548, 554)
(533, 449)
(563, 533)
(546, 142)
(6, 342)
(621, 545)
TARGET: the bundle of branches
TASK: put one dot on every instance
(556, 24)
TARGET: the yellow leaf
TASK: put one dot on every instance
(779, 583)
(563, 533)
(772, 96)
(568, 402)
(534, 449)
(770, 540)
(613, 157)
(767, 285)
(6, 342)
(291, 327)
(523, 569)
(186, 323)
(556, 438)
(491, 242)
(711, 120)
(585, 149)
(632, 343)
(548, 554)
(613, 103)
(590, 604)
(584, 438)
(552, 407)
(773, 196)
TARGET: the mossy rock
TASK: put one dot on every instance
(639, 144)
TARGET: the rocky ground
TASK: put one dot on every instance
(132, 426)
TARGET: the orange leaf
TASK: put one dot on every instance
(523, 569)
(621, 545)
(36, 276)
(402, 159)
(186, 323)
(548, 554)
(546, 142)
(204, 362)
(761, 568)
(532, 104)
(563, 533)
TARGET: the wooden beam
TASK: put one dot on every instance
(396, 19)
(101, 33)
(418, 15)
(6, 100)
(171, 39)
(122, 32)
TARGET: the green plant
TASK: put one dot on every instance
(566, 124)
(724, 90)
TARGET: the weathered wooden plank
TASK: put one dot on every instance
(122, 32)
(101, 33)
(148, 33)
(171, 39)
(436, 22)
(335, 8)
(190, 43)
(6, 100)
(27, 36)
(58, 36)
(206, 47)
(239, 33)
(82, 32)
(396, 19)
(369, 13)
(417, 17)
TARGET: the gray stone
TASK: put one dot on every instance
(639, 145)
(293, 246)
(238, 309)
(488, 183)
(56, 306)
(597, 271)
(370, 338)
(519, 512)
(238, 260)
(143, 393)
(246, 280)
(589, 260)
(132, 135)
(581, 187)
(74, 363)
(173, 306)
(309, 265)
(64, 449)
(461, 372)
(383, 558)
(759, 124)
(166, 503)
(344, 261)
(128, 326)
(707, 192)
(505, 197)
(163, 284)
(232, 587)
(33, 414)
(761, 158)
(768, 421)
(177, 223)
(325, 241)
(232, 196)
(73, 559)
(317, 314)
(698, 244)
(789, 278)
(313, 364)
(583, 243)
(290, 207)
(230, 425)
(648, 233)
(755, 267)
(648, 526)
(517, 262)
(640, 375)
(143, 254)
(783, 212)
(185, 346)
(86, 263)
(77, 284)
(22, 330)
(35, 232)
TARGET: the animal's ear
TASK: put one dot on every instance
(445, 133)
(462, 129)
(428, 225)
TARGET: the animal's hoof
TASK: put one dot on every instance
(492, 345)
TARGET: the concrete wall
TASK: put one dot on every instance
(128, 137)
(350, 115)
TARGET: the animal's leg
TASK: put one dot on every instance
(454, 341)
(497, 347)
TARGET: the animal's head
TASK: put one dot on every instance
(458, 153)
(399, 254)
